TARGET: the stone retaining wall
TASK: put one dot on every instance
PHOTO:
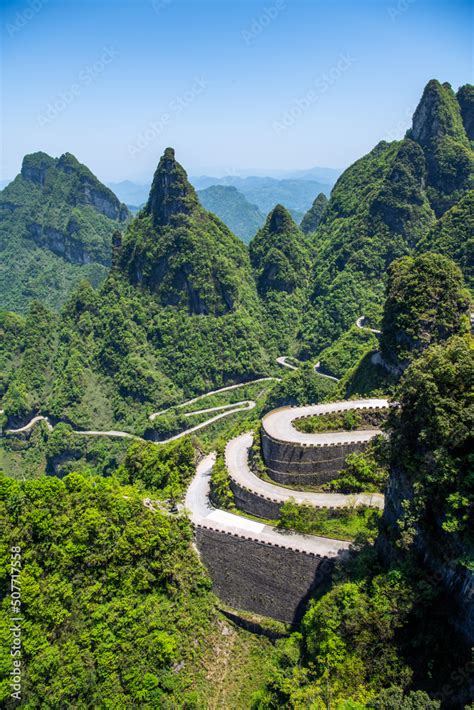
(291, 463)
(263, 578)
(253, 503)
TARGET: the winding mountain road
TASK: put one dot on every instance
(278, 423)
(225, 411)
(360, 324)
(237, 461)
(203, 514)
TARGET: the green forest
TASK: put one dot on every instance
(133, 348)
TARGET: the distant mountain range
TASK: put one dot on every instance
(296, 190)
(230, 205)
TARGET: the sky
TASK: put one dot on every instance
(232, 85)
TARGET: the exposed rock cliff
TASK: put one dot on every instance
(56, 225)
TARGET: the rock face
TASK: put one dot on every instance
(436, 116)
(56, 226)
(171, 194)
(67, 244)
(184, 255)
(80, 187)
(439, 129)
(314, 215)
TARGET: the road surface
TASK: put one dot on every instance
(204, 514)
(237, 461)
(278, 424)
(360, 324)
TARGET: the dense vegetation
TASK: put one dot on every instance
(452, 236)
(346, 352)
(118, 608)
(432, 434)
(384, 630)
(384, 207)
(112, 593)
(426, 302)
(342, 524)
(111, 356)
(233, 208)
(313, 216)
(56, 228)
(349, 420)
(280, 255)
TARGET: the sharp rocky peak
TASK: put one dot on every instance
(171, 193)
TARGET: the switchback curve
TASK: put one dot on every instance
(204, 515)
(237, 462)
(278, 424)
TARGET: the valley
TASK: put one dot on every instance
(237, 430)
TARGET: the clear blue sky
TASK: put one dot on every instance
(231, 84)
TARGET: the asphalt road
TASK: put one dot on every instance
(279, 423)
(237, 460)
(204, 514)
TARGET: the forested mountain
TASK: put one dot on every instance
(426, 303)
(398, 619)
(281, 256)
(453, 236)
(313, 216)
(386, 205)
(118, 608)
(178, 313)
(296, 194)
(56, 226)
(233, 208)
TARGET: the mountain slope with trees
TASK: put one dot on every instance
(233, 208)
(56, 226)
(281, 256)
(384, 207)
(178, 314)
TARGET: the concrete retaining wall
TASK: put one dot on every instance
(263, 578)
(251, 502)
(290, 463)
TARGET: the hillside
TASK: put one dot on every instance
(281, 256)
(232, 207)
(56, 226)
(314, 215)
(178, 314)
(383, 207)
